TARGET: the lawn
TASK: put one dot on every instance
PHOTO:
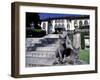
(84, 55)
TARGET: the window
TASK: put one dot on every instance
(55, 21)
(86, 23)
(58, 21)
(44, 25)
(80, 23)
(75, 24)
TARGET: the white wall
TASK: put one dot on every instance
(5, 40)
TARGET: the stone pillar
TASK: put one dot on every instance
(76, 39)
(76, 46)
(49, 27)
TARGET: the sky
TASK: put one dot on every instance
(47, 15)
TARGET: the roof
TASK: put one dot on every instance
(67, 17)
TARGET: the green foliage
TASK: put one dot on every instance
(33, 17)
(36, 30)
(82, 41)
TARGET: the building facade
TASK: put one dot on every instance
(63, 23)
(50, 25)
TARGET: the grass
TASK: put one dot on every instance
(84, 55)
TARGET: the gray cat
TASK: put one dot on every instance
(65, 48)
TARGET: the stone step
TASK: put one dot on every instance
(40, 42)
(39, 54)
(43, 46)
(39, 61)
(52, 36)
(47, 48)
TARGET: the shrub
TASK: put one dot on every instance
(35, 33)
(82, 41)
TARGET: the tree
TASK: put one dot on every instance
(33, 18)
(82, 41)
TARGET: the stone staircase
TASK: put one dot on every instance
(41, 51)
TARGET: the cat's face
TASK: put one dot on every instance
(62, 40)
